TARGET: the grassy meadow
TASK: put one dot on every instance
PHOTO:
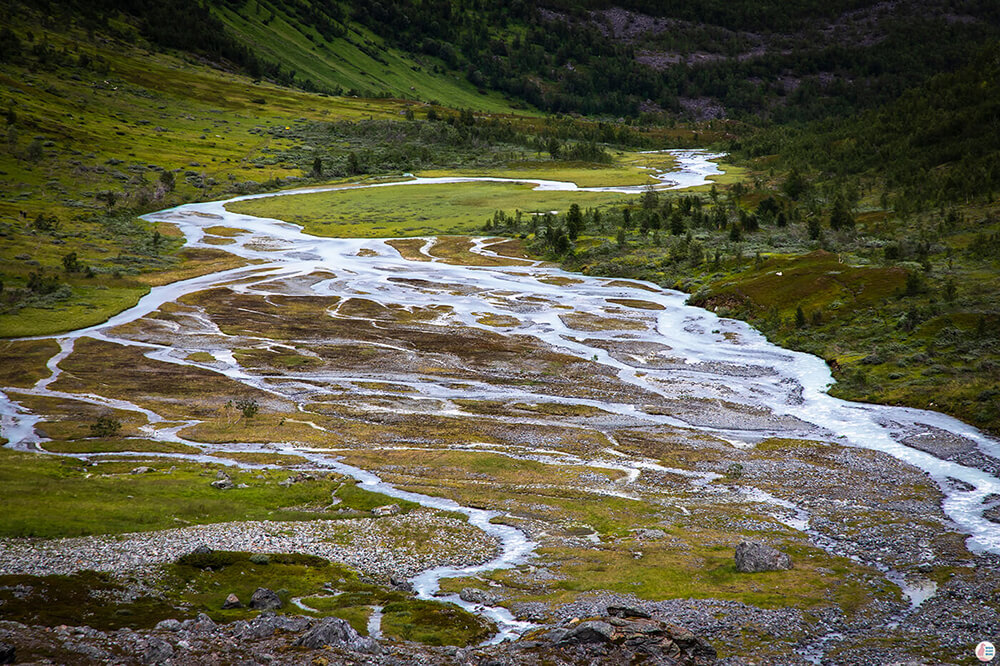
(414, 210)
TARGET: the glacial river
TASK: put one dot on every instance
(791, 385)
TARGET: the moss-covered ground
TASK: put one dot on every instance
(200, 584)
(107, 498)
(422, 210)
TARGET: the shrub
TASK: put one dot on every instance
(105, 426)
(248, 407)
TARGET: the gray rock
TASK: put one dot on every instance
(201, 550)
(646, 533)
(8, 653)
(169, 625)
(532, 611)
(618, 640)
(476, 596)
(627, 612)
(753, 557)
(267, 623)
(591, 631)
(157, 651)
(143, 470)
(95, 653)
(387, 510)
(401, 584)
(265, 599)
(202, 624)
(336, 632)
(232, 601)
(222, 484)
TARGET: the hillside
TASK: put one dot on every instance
(784, 62)
(777, 60)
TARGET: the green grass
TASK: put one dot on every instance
(88, 306)
(84, 598)
(433, 623)
(813, 281)
(405, 210)
(343, 63)
(118, 446)
(107, 499)
(207, 580)
(624, 171)
(32, 356)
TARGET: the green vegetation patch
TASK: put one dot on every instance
(813, 281)
(62, 497)
(98, 445)
(205, 580)
(433, 623)
(89, 305)
(25, 361)
(412, 210)
(86, 598)
(628, 169)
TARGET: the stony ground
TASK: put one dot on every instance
(369, 545)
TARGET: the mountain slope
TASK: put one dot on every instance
(348, 59)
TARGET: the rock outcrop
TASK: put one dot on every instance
(623, 640)
(333, 631)
(265, 599)
(753, 557)
(476, 596)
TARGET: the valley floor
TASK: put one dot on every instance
(575, 443)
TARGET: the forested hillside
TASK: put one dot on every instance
(771, 60)
(778, 60)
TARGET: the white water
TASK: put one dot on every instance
(693, 339)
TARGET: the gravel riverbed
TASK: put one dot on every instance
(375, 546)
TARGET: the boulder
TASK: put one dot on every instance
(143, 470)
(753, 557)
(614, 640)
(201, 549)
(336, 632)
(265, 599)
(223, 484)
(590, 631)
(232, 601)
(267, 623)
(202, 624)
(157, 651)
(476, 596)
(648, 533)
(169, 625)
(8, 653)
(401, 584)
(627, 612)
(387, 510)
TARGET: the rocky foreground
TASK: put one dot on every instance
(623, 635)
